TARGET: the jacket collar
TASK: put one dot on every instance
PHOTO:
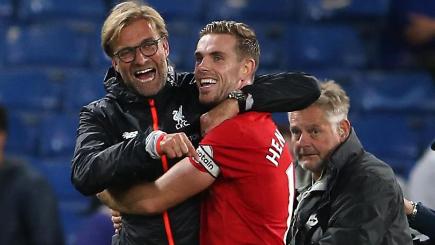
(117, 89)
(350, 149)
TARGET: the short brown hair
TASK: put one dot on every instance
(247, 43)
(122, 15)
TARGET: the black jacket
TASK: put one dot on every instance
(424, 222)
(358, 201)
(30, 212)
(110, 147)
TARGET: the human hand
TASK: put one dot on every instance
(116, 220)
(225, 110)
(176, 145)
(421, 29)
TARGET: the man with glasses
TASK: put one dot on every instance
(151, 114)
(148, 48)
(243, 165)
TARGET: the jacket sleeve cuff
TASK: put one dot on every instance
(152, 143)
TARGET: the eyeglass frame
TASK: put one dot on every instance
(147, 43)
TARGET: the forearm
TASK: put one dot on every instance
(283, 92)
(181, 182)
(139, 199)
(99, 164)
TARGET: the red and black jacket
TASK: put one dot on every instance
(110, 147)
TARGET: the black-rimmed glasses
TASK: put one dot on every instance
(148, 48)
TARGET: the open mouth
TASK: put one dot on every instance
(206, 83)
(145, 75)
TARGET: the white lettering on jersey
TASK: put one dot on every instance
(276, 148)
(205, 153)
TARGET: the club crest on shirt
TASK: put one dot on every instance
(129, 135)
(205, 155)
(177, 116)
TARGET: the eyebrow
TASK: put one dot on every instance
(150, 39)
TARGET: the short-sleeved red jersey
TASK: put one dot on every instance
(251, 201)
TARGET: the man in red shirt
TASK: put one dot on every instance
(244, 162)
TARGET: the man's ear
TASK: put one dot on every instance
(115, 65)
(249, 67)
(165, 44)
(344, 129)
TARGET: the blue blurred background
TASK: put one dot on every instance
(51, 64)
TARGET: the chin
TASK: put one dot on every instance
(310, 166)
(208, 102)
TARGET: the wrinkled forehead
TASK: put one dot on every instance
(310, 116)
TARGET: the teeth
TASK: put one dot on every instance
(207, 81)
(143, 71)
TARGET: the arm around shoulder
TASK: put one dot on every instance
(283, 92)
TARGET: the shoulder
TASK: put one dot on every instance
(25, 174)
(369, 176)
(181, 79)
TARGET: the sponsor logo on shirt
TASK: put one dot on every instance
(205, 154)
(177, 116)
(129, 135)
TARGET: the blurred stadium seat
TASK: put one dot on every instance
(6, 10)
(3, 28)
(30, 89)
(47, 45)
(22, 133)
(270, 36)
(81, 87)
(321, 46)
(183, 36)
(250, 10)
(72, 205)
(410, 92)
(97, 57)
(344, 9)
(179, 9)
(57, 135)
(56, 10)
(390, 136)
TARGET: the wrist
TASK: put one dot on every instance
(243, 99)
(152, 145)
(414, 210)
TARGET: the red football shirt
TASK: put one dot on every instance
(251, 201)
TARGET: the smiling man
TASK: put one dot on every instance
(150, 117)
(243, 162)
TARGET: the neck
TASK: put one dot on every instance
(315, 176)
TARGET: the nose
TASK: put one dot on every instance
(304, 139)
(202, 66)
(140, 58)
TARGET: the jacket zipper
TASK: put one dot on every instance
(166, 221)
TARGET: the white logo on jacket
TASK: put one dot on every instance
(312, 220)
(178, 116)
(129, 135)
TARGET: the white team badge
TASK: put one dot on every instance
(178, 116)
(129, 135)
